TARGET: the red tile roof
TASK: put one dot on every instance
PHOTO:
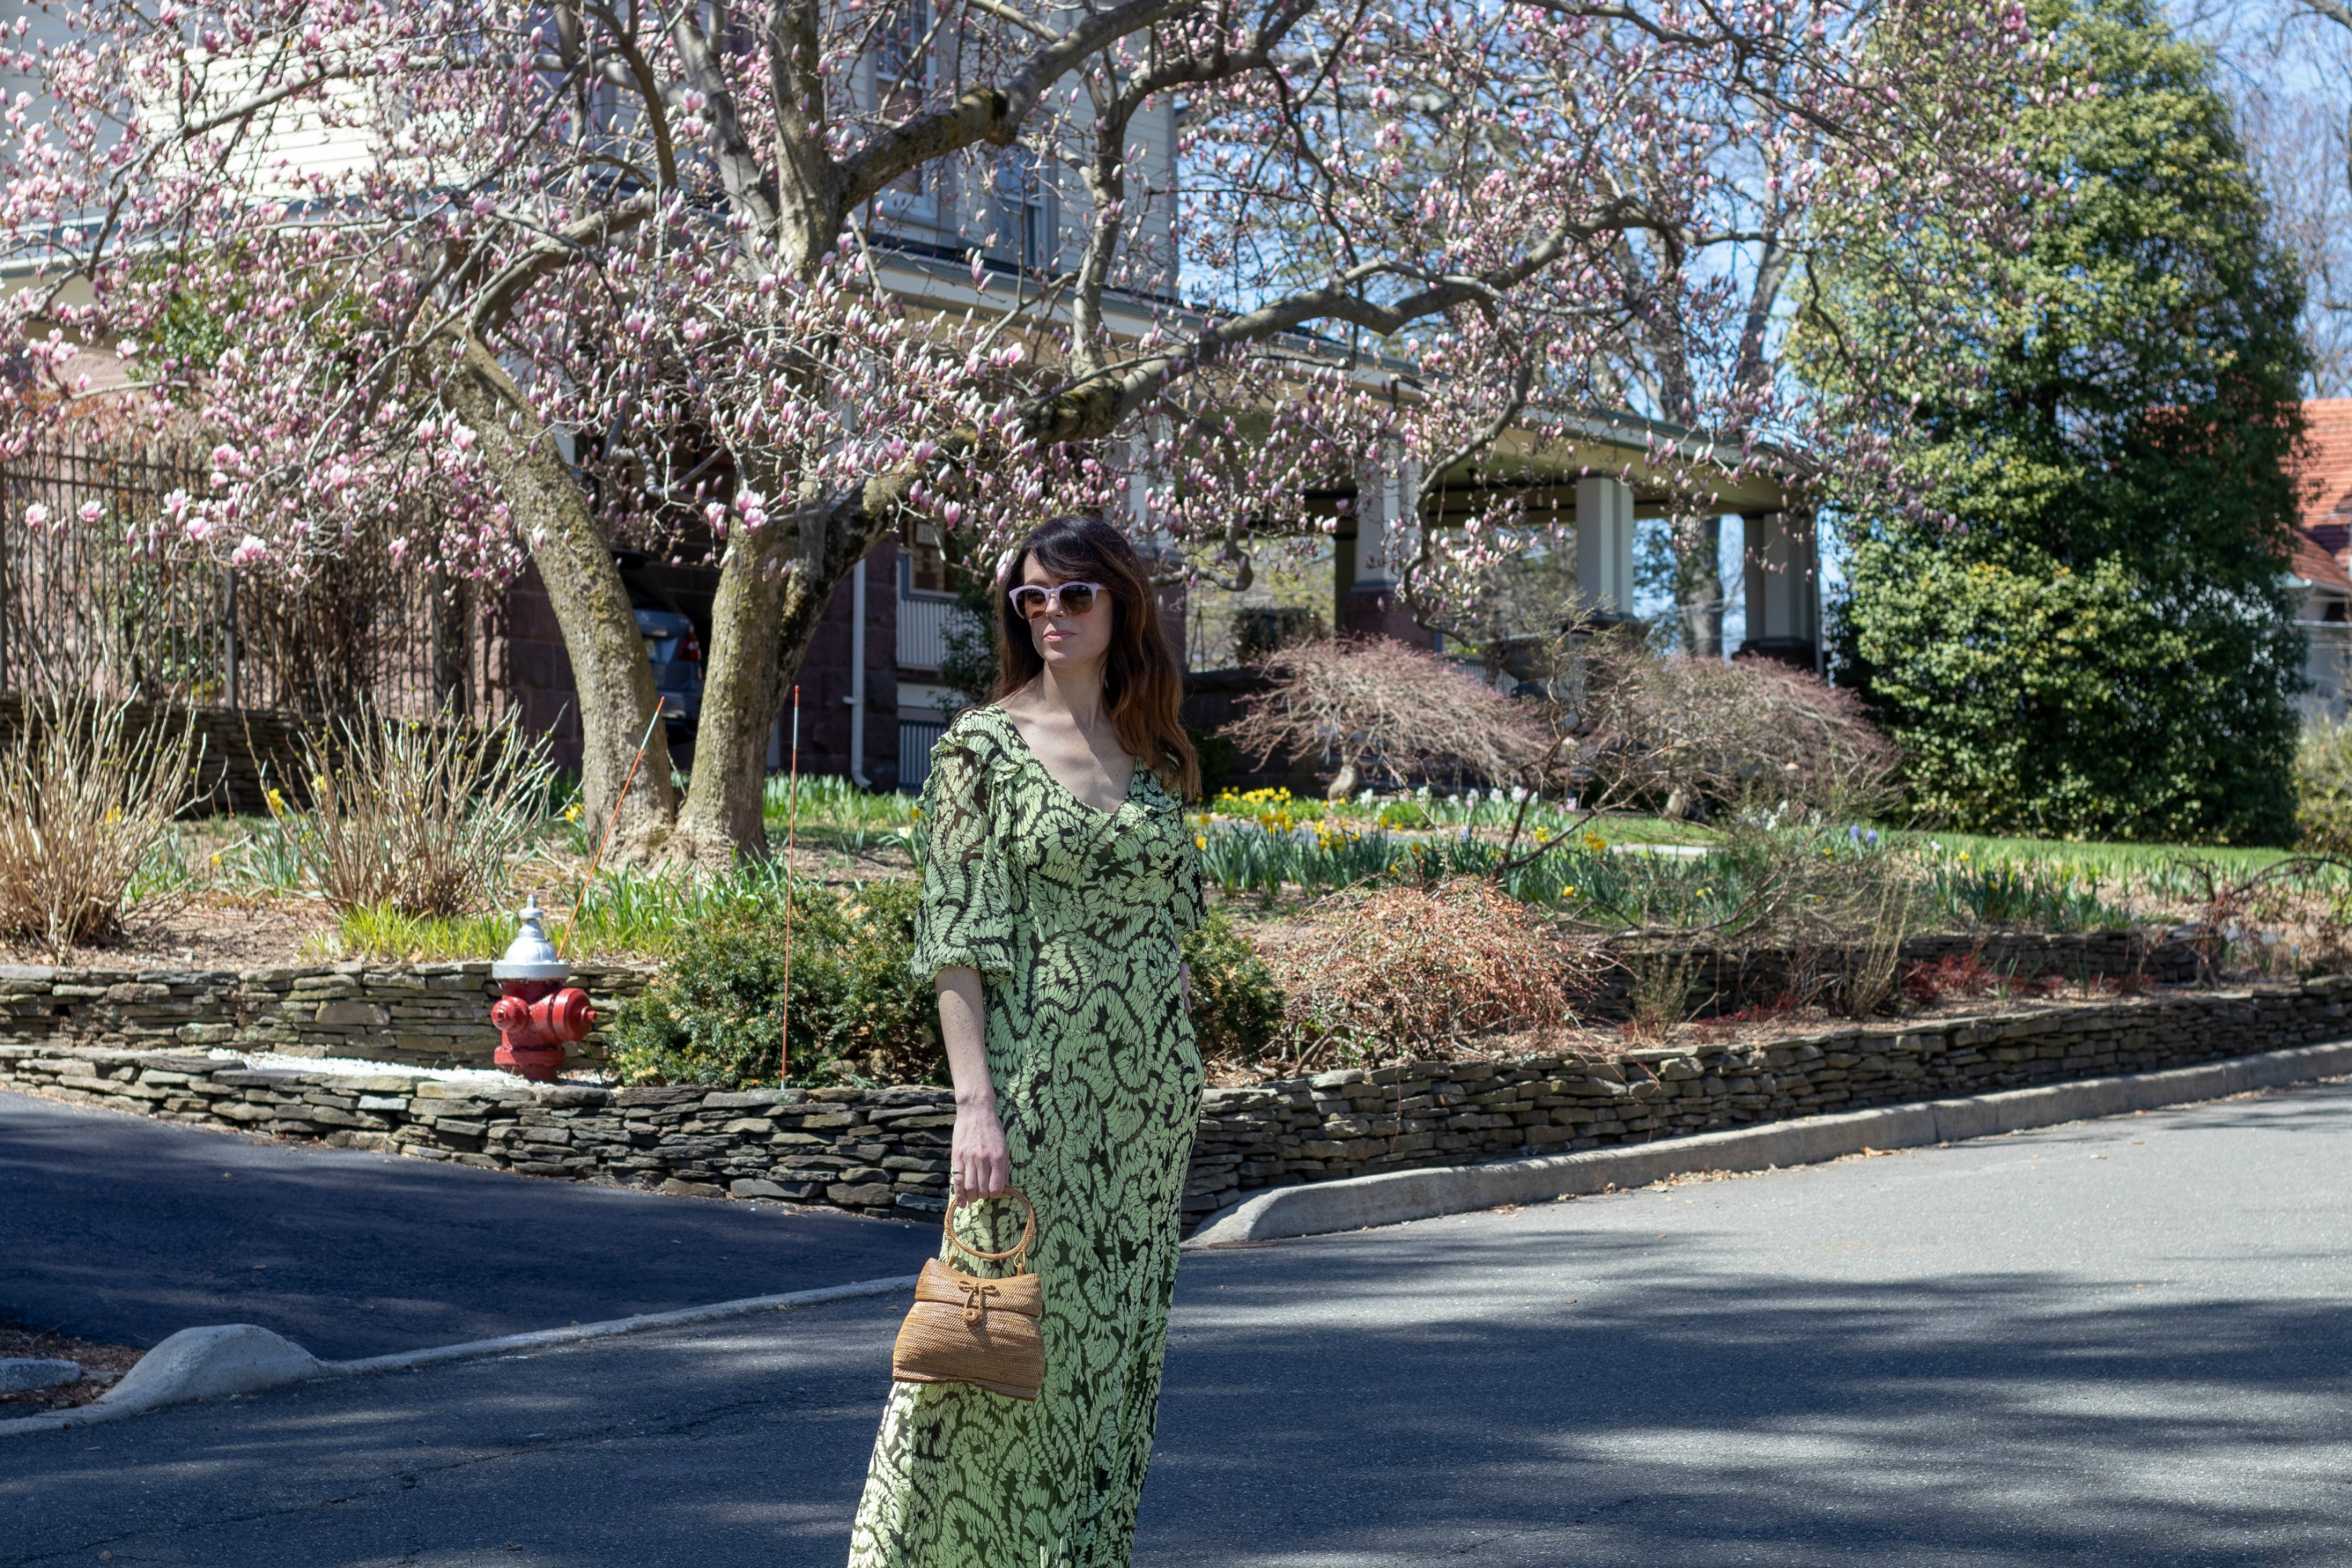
(2315, 565)
(2324, 548)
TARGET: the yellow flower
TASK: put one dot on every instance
(1595, 842)
(274, 800)
(1199, 841)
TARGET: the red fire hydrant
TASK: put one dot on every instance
(537, 1014)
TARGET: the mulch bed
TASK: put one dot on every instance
(112, 1361)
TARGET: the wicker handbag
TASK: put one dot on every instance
(981, 1332)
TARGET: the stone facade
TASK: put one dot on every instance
(885, 1151)
(429, 1014)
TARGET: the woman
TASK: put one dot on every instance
(1058, 875)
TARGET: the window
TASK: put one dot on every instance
(1024, 203)
(902, 72)
(926, 564)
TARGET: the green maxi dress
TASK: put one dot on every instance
(1073, 919)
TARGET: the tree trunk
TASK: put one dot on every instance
(1698, 582)
(721, 818)
(574, 557)
(771, 600)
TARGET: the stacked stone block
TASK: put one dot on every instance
(426, 1015)
(885, 1151)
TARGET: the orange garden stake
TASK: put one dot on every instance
(791, 834)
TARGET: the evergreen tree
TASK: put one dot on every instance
(2084, 634)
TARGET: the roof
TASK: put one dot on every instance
(2323, 546)
(2315, 565)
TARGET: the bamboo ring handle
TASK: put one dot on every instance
(1028, 1230)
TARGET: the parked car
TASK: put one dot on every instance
(675, 653)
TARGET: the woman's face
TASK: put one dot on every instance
(1066, 641)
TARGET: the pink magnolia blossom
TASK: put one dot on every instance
(1401, 228)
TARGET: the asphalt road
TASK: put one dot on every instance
(123, 1231)
(2122, 1343)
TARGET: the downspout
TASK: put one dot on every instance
(1821, 631)
(857, 676)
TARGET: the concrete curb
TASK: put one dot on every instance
(1395, 1196)
(240, 1358)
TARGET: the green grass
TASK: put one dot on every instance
(835, 815)
(625, 913)
(2098, 857)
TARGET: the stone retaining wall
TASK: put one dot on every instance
(429, 1014)
(885, 1151)
(438, 1015)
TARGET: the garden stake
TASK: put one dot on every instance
(791, 832)
(609, 822)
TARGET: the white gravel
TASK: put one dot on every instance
(360, 1067)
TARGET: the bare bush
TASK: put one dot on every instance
(84, 800)
(1410, 970)
(1687, 735)
(1382, 710)
(2289, 918)
(419, 819)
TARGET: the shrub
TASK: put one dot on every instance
(1681, 734)
(85, 800)
(416, 819)
(1383, 709)
(2323, 786)
(1410, 970)
(1236, 1004)
(2077, 701)
(859, 1014)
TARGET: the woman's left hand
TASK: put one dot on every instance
(1184, 984)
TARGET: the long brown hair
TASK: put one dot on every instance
(1140, 681)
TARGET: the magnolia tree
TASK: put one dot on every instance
(560, 279)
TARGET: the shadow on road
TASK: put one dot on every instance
(121, 1230)
(1981, 1418)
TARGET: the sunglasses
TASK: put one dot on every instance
(1069, 599)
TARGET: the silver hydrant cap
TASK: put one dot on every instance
(530, 956)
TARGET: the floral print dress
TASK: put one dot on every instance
(1073, 918)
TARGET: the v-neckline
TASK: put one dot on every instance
(1089, 807)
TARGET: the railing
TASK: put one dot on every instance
(916, 739)
(923, 623)
(115, 608)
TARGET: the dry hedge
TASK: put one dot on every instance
(1406, 971)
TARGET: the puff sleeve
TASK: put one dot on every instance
(967, 915)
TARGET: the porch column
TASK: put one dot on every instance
(1370, 608)
(1783, 586)
(1605, 544)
